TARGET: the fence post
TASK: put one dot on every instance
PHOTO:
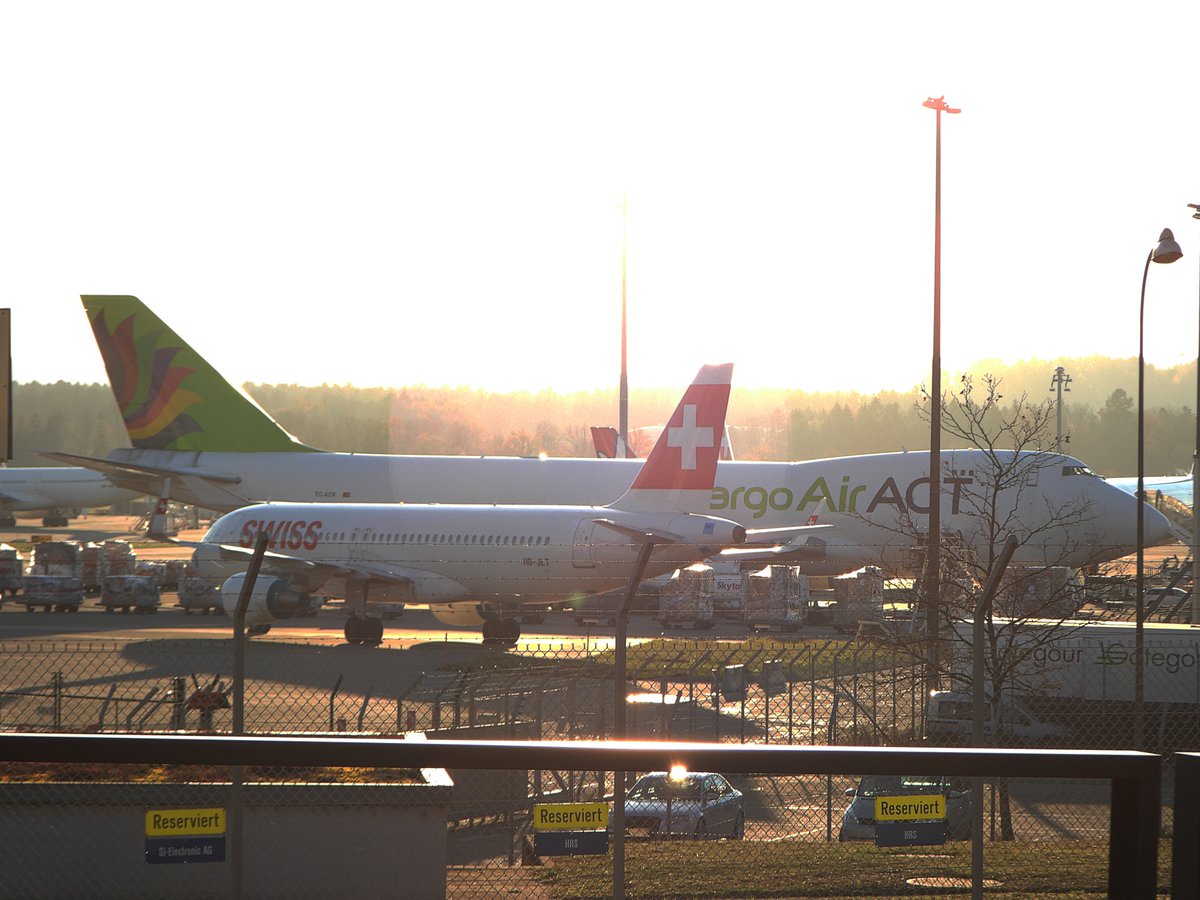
(333, 698)
(178, 703)
(854, 693)
(58, 698)
(791, 705)
(691, 707)
(362, 709)
(715, 699)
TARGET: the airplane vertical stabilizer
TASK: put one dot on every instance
(680, 470)
(169, 397)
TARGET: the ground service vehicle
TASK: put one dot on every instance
(950, 720)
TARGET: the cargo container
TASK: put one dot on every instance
(859, 598)
(136, 593)
(61, 559)
(199, 595)
(12, 571)
(688, 598)
(776, 596)
(58, 593)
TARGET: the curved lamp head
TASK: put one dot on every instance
(1167, 250)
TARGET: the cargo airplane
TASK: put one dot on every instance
(55, 491)
(199, 440)
(475, 563)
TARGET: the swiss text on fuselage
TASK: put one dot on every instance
(291, 534)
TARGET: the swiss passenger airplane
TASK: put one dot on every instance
(199, 440)
(472, 563)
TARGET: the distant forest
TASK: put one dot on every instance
(1099, 413)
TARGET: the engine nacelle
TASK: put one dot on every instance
(271, 600)
(461, 615)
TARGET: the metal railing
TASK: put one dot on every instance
(1134, 776)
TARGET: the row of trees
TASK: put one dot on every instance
(765, 423)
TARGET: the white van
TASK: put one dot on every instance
(949, 720)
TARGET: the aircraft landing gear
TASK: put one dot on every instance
(501, 631)
(8, 521)
(252, 631)
(364, 630)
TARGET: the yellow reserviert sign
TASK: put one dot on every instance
(569, 816)
(184, 822)
(913, 808)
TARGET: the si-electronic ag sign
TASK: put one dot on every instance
(185, 835)
(570, 829)
(914, 820)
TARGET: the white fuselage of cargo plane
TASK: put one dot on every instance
(58, 488)
(875, 503)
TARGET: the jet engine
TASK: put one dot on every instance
(271, 600)
(462, 615)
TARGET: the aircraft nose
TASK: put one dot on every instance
(1156, 527)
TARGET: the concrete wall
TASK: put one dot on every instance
(312, 840)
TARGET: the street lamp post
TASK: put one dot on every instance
(1196, 484)
(1059, 382)
(623, 400)
(1165, 251)
(933, 551)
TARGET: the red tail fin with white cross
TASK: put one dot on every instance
(680, 470)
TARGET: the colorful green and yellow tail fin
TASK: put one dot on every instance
(170, 398)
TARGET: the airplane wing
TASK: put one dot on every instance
(200, 487)
(803, 546)
(313, 574)
(795, 530)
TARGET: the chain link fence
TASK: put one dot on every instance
(796, 836)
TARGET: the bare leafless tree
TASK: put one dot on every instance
(1012, 443)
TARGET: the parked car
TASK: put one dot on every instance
(858, 821)
(687, 804)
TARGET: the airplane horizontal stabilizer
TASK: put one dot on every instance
(660, 536)
(196, 486)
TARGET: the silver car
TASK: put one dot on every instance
(689, 804)
(858, 822)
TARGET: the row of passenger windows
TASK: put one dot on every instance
(491, 540)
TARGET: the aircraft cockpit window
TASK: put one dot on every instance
(1078, 470)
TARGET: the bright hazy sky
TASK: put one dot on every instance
(403, 193)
